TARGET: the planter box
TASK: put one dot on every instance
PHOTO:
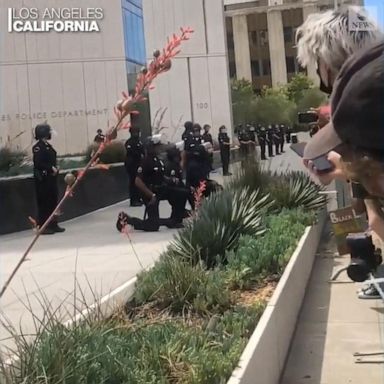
(264, 357)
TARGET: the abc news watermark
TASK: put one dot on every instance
(54, 19)
(364, 18)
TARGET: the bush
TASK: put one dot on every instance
(10, 159)
(256, 259)
(221, 220)
(113, 153)
(180, 287)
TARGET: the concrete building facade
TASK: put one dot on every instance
(197, 88)
(70, 79)
(261, 38)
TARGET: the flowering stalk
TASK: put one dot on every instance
(199, 194)
(160, 64)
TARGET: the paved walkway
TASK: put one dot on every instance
(333, 325)
(91, 255)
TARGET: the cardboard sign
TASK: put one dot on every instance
(345, 221)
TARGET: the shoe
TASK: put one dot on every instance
(175, 225)
(48, 231)
(58, 229)
(136, 204)
(263, 158)
(370, 293)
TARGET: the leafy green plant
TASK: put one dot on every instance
(299, 84)
(255, 259)
(114, 152)
(180, 287)
(221, 220)
(296, 189)
(10, 159)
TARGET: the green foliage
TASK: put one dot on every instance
(221, 220)
(311, 98)
(10, 160)
(243, 101)
(181, 287)
(150, 353)
(296, 190)
(299, 84)
(113, 153)
(256, 259)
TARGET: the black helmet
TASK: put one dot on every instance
(188, 125)
(43, 131)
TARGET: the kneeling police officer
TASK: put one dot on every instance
(154, 187)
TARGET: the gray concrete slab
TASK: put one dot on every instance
(333, 325)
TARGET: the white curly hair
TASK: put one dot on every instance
(327, 36)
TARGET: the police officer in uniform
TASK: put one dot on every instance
(225, 149)
(253, 139)
(45, 173)
(207, 138)
(194, 140)
(282, 137)
(153, 186)
(100, 137)
(134, 154)
(270, 140)
(276, 138)
(187, 134)
(262, 137)
(245, 142)
(288, 134)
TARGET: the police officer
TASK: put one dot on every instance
(194, 140)
(153, 186)
(245, 142)
(187, 134)
(225, 151)
(134, 154)
(276, 138)
(45, 173)
(253, 139)
(207, 138)
(262, 137)
(270, 140)
(282, 137)
(100, 137)
(288, 134)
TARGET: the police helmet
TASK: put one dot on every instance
(188, 125)
(43, 131)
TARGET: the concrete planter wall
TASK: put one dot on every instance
(263, 360)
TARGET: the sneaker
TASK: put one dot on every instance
(370, 293)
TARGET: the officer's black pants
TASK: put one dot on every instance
(225, 156)
(134, 193)
(277, 145)
(282, 145)
(262, 150)
(288, 138)
(176, 196)
(47, 198)
(270, 150)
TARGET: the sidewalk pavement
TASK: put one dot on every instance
(91, 255)
(333, 325)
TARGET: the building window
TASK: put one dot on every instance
(266, 70)
(290, 61)
(232, 69)
(254, 38)
(255, 65)
(288, 34)
(263, 37)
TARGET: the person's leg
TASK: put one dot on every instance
(277, 148)
(262, 151)
(134, 194)
(270, 150)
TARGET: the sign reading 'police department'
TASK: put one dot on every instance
(54, 19)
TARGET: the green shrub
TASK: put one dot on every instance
(256, 259)
(296, 189)
(10, 159)
(180, 287)
(113, 153)
(150, 353)
(221, 220)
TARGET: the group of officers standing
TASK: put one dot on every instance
(267, 137)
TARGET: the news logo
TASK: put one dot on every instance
(363, 18)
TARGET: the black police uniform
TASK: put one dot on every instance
(262, 136)
(276, 138)
(270, 141)
(243, 136)
(207, 138)
(225, 151)
(282, 137)
(193, 142)
(187, 136)
(288, 132)
(252, 137)
(99, 138)
(44, 158)
(134, 155)
(152, 173)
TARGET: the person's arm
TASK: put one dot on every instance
(144, 189)
(375, 217)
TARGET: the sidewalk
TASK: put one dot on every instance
(333, 325)
(91, 255)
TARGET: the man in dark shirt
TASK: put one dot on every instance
(207, 138)
(225, 150)
(100, 137)
(134, 154)
(45, 174)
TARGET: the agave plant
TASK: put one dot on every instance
(222, 219)
(295, 190)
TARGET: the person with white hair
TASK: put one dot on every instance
(326, 40)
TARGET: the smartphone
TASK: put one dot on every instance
(321, 163)
(307, 117)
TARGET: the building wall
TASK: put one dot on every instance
(71, 80)
(197, 88)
